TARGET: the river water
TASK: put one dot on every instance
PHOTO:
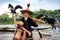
(6, 36)
(55, 35)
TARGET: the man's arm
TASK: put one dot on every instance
(21, 26)
(26, 30)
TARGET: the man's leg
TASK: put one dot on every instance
(29, 37)
(24, 35)
(17, 35)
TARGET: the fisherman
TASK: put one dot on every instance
(28, 22)
(25, 24)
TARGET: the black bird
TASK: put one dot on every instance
(50, 20)
(12, 9)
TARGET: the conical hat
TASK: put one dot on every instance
(26, 10)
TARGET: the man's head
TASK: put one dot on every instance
(26, 14)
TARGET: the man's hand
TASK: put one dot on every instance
(29, 33)
(20, 23)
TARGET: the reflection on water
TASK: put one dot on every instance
(6, 36)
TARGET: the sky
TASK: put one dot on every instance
(35, 4)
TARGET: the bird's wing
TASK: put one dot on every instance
(18, 6)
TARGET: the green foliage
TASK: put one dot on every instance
(4, 19)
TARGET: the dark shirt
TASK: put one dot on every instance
(28, 23)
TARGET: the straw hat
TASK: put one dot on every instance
(27, 10)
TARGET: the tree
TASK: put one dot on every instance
(4, 17)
